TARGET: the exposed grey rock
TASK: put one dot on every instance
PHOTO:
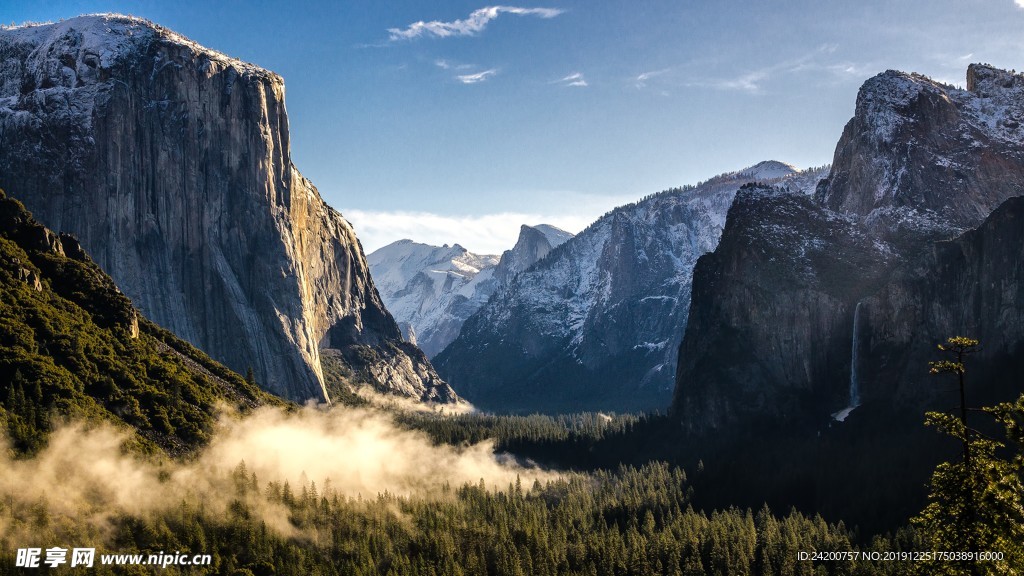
(408, 332)
(770, 332)
(533, 244)
(171, 163)
(922, 160)
(31, 278)
(973, 286)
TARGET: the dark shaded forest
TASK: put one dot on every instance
(628, 521)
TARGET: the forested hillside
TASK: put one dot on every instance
(72, 347)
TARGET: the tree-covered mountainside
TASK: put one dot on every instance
(72, 346)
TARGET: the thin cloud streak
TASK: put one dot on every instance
(476, 78)
(641, 79)
(471, 26)
(752, 82)
(449, 65)
(574, 79)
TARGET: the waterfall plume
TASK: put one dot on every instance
(854, 372)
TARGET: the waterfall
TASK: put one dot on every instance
(854, 355)
(854, 375)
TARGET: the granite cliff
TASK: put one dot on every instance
(772, 333)
(171, 163)
(534, 243)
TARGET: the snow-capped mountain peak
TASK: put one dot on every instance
(432, 290)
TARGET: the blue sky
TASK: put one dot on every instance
(487, 116)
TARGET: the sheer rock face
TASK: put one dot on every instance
(919, 163)
(972, 285)
(533, 244)
(171, 163)
(772, 309)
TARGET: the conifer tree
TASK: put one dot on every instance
(974, 505)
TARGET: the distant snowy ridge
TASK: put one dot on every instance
(597, 321)
(768, 170)
(431, 290)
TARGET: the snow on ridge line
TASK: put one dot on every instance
(992, 104)
(109, 35)
(768, 169)
(710, 201)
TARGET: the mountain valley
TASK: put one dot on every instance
(197, 355)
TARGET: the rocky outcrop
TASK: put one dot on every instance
(171, 163)
(771, 335)
(595, 324)
(923, 160)
(533, 244)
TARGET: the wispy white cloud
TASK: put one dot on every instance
(749, 82)
(574, 79)
(476, 78)
(473, 78)
(816, 62)
(484, 234)
(471, 26)
(451, 65)
(1020, 3)
(641, 79)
